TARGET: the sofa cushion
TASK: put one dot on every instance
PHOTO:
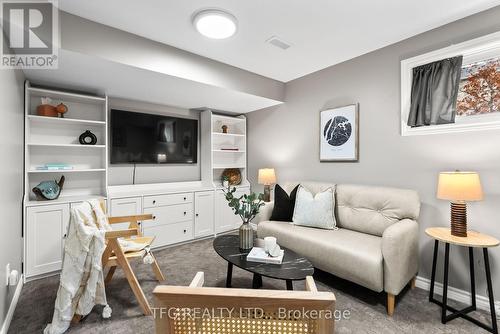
(283, 204)
(313, 186)
(348, 254)
(314, 210)
(371, 209)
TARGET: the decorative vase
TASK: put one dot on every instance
(246, 236)
(87, 138)
(47, 110)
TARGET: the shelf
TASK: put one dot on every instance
(63, 121)
(227, 134)
(66, 96)
(65, 145)
(92, 170)
(228, 166)
(228, 119)
(229, 151)
(65, 199)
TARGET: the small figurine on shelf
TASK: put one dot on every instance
(224, 129)
(62, 109)
(225, 181)
(48, 190)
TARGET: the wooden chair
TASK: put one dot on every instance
(195, 309)
(114, 256)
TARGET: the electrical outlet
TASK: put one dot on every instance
(7, 273)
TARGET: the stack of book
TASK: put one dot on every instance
(229, 148)
(55, 166)
(258, 254)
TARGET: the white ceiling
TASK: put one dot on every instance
(322, 32)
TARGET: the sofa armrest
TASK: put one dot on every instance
(400, 252)
(264, 213)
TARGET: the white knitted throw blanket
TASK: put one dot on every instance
(81, 283)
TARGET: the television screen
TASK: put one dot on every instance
(152, 139)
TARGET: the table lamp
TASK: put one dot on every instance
(459, 188)
(267, 177)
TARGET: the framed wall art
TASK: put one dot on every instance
(339, 134)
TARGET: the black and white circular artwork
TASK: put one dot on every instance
(337, 131)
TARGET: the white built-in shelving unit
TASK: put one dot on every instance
(56, 140)
(225, 150)
(183, 211)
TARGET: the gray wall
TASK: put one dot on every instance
(286, 138)
(122, 174)
(11, 178)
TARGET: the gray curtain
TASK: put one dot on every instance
(434, 92)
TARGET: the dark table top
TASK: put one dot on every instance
(293, 267)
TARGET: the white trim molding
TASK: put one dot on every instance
(12, 306)
(458, 295)
(474, 50)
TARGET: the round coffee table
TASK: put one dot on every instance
(293, 268)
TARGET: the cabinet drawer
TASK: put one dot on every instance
(124, 207)
(171, 199)
(169, 234)
(169, 214)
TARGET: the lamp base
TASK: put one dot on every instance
(267, 193)
(458, 219)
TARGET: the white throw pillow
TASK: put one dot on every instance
(314, 211)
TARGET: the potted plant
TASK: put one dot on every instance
(247, 207)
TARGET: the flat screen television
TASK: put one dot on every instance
(152, 139)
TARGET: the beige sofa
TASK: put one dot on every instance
(376, 245)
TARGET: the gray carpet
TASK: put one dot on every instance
(414, 314)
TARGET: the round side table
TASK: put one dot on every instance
(473, 240)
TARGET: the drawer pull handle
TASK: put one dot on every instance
(185, 213)
(185, 231)
(65, 236)
(184, 198)
(154, 201)
(197, 215)
(154, 217)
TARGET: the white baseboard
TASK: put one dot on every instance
(12, 307)
(461, 296)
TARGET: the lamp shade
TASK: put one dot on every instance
(267, 176)
(459, 186)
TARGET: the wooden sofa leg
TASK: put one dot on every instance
(391, 299)
(413, 282)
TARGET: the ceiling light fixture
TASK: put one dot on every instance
(215, 23)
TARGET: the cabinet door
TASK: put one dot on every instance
(204, 214)
(45, 230)
(225, 219)
(223, 214)
(125, 207)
